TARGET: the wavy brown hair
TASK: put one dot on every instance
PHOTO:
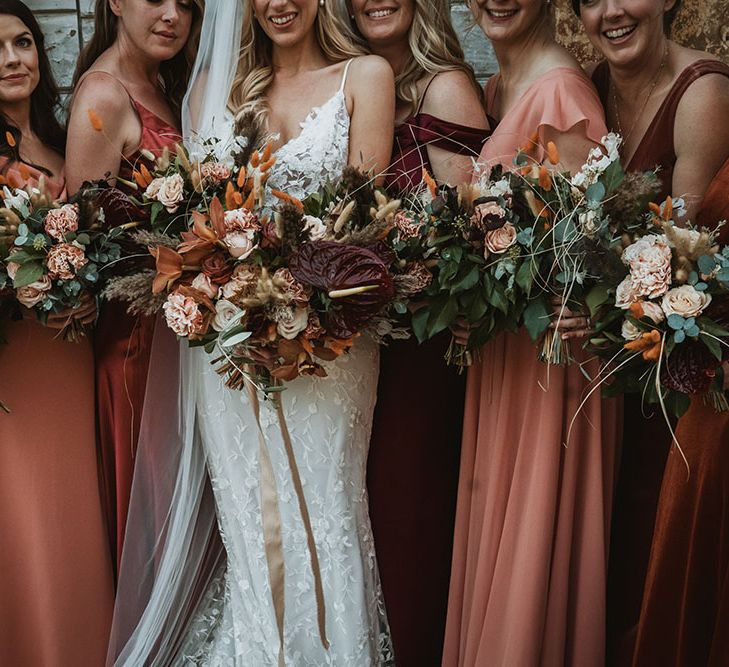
(44, 100)
(175, 73)
(255, 64)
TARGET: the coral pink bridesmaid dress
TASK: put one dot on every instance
(56, 586)
(122, 352)
(533, 515)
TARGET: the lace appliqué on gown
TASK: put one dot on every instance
(330, 421)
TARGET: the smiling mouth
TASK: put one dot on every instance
(501, 14)
(617, 33)
(283, 20)
(13, 77)
(380, 13)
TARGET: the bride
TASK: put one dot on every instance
(298, 584)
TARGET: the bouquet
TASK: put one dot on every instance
(51, 256)
(507, 245)
(277, 290)
(663, 327)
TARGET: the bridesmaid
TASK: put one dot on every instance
(56, 585)
(662, 98)
(440, 126)
(133, 74)
(533, 516)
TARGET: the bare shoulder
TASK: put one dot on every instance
(370, 70)
(706, 99)
(101, 92)
(590, 68)
(451, 96)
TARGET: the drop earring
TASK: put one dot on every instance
(321, 3)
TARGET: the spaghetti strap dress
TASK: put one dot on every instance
(122, 352)
(533, 515)
(416, 440)
(646, 437)
(56, 584)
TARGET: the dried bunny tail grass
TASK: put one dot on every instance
(150, 239)
(632, 197)
(137, 291)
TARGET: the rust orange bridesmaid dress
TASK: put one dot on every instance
(122, 350)
(647, 439)
(533, 514)
(56, 585)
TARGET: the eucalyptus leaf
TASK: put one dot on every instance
(679, 336)
(595, 193)
(676, 322)
(536, 317)
(706, 264)
(28, 273)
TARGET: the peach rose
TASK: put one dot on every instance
(183, 314)
(64, 260)
(653, 311)
(34, 293)
(500, 240)
(625, 294)
(12, 269)
(488, 216)
(630, 331)
(244, 278)
(685, 301)
(202, 283)
(168, 190)
(240, 244)
(61, 221)
(292, 321)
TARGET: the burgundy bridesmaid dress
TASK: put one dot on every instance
(56, 581)
(122, 353)
(412, 471)
(646, 437)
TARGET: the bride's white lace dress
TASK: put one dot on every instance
(330, 421)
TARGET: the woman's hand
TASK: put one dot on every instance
(85, 313)
(461, 330)
(570, 323)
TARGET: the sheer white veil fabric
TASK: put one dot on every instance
(172, 547)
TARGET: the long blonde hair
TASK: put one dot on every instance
(434, 47)
(255, 63)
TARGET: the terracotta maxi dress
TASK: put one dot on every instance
(122, 353)
(533, 516)
(412, 469)
(647, 439)
(56, 586)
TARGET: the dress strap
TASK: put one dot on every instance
(344, 76)
(424, 93)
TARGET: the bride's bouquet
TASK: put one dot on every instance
(663, 326)
(276, 291)
(51, 255)
(504, 248)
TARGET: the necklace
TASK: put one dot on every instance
(639, 115)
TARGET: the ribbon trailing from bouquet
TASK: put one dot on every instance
(271, 519)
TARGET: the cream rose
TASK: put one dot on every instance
(653, 311)
(240, 244)
(168, 190)
(292, 321)
(314, 227)
(183, 314)
(202, 283)
(12, 269)
(625, 294)
(243, 278)
(630, 331)
(685, 301)
(34, 293)
(487, 215)
(501, 239)
(225, 313)
(61, 221)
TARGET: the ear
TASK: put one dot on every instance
(668, 5)
(115, 7)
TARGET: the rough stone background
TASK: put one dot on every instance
(702, 24)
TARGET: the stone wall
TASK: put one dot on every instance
(703, 24)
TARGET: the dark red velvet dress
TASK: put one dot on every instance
(412, 472)
(646, 437)
(122, 352)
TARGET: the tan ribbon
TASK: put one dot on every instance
(271, 519)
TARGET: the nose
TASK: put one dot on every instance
(613, 10)
(9, 56)
(171, 11)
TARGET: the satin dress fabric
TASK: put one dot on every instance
(56, 583)
(412, 469)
